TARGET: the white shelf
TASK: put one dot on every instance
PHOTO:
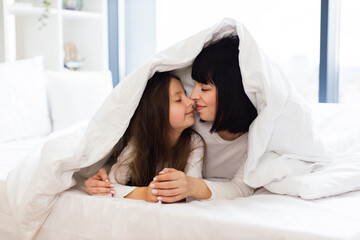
(72, 14)
(19, 10)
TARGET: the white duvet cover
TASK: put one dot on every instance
(285, 153)
(77, 216)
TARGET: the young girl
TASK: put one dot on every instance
(159, 136)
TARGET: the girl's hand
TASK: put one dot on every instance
(99, 184)
(171, 185)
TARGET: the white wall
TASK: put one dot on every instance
(140, 29)
(2, 32)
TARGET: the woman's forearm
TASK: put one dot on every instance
(198, 188)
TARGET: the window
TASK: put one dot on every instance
(288, 31)
(349, 52)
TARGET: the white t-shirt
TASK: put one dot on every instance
(224, 163)
(193, 168)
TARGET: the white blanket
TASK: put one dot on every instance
(284, 149)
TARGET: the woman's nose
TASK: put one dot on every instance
(190, 102)
(195, 93)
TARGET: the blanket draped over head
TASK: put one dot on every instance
(285, 153)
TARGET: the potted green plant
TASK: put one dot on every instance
(45, 14)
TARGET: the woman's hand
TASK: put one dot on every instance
(171, 185)
(99, 184)
(150, 194)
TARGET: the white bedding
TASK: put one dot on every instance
(284, 151)
(11, 154)
(262, 216)
(77, 216)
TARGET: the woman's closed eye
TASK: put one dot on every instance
(205, 87)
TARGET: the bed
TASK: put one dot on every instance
(42, 191)
(264, 215)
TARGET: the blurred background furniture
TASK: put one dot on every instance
(25, 36)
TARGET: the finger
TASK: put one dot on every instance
(154, 199)
(98, 183)
(167, 177)
(167, 170)
(166, 185)
(169, 192)
(170, 199)
(103, 174)
(151, 197)
(100, 191)
(152, 184)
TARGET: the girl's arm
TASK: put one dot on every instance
(103, 184)
(99, 184)
(139, 193)
(202, 189)
(173, 185)
(143, 193)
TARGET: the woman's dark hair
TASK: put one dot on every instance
(218, 64)
(149, 134)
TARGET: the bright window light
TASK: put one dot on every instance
(349, 52)
(288, 31)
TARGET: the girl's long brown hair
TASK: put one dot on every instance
(149, 131)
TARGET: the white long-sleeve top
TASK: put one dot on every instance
(224, 163)
(193, 168)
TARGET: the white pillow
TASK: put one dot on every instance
(76, 96)
(23, 103)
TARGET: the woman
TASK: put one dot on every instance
(226, 114)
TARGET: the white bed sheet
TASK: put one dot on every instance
(261, 216)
